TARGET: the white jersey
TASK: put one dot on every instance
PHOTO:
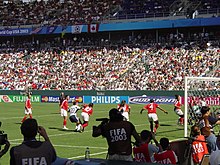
(73, 109)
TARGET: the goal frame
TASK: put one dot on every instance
(186, 97)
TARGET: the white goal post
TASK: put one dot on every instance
(200, 87)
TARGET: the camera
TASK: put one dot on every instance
(3, 137)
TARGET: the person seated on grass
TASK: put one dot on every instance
(167, 156)
(32, 151)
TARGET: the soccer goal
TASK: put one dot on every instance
(200, 91)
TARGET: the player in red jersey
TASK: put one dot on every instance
(124, 109)
(64, 110)
(61, 99)
(28, 108)
(167, 156)
(177, 109)
(86, 113)
(152, 114)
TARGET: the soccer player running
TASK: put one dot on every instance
(177, 109)
(28, 108)
(64, 109)
(124, 109)
(152, 114)
(86, 113)
(73, 115)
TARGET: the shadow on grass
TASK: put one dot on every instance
(55, 113)
(61, 129)
(166, 125)
(173, 130)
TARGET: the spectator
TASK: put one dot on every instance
(118, 135)
(206, 130)
(144, 150)
(199, 147)
(32, 150)
(167, 156)
(214, 157)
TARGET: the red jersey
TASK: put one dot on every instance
(28, 103)
(125, 108)
(199, 149)
(64, 105)
(177, 105)
(165, 157)
(141, 153)
(88, 110)
(151, 107)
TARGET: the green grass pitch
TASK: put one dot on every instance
(69, 144)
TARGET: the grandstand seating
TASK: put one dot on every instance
(111, 69)
(54, 12)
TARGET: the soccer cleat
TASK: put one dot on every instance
(65, 128)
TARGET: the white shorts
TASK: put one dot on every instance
(126, 116)
(63, 112)
(28, 111)
(179, 112)
(152, 117)
(85, 116)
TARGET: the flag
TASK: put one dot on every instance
(63, 32)
(51, 29)
(77, 28)
(36, 30)
(93, 28)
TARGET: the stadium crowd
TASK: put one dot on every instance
(63, 12)
(54, 12)
(123, 68)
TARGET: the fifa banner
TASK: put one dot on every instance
(157, 99)
(55, 99)
(105, 99)
(18, 98)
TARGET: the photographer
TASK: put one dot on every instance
(31, 150)
(118, 135)
(7, 145)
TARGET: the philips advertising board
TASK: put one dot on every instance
(146, 99)
(105, 99)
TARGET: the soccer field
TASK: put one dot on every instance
(69, 144)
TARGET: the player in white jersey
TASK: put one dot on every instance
(73, 115)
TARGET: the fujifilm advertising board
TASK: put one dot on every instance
(18, 98)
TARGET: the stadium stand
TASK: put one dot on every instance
(54, 12)
(123, 68)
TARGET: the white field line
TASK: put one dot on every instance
(64, 134)
(82, 156)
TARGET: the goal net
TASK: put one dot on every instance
(200, 91)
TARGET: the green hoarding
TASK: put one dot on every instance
(19, 98)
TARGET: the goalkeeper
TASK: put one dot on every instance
(152, 114)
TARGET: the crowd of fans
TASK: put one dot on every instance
(122, 68)
(54, 12)
(63, 12)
